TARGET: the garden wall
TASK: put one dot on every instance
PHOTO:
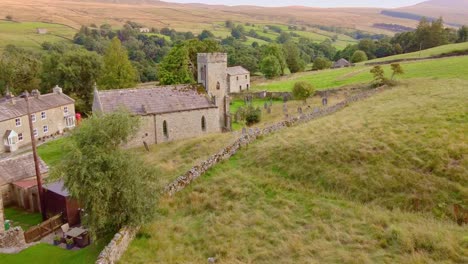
(114, 250)
(13, 238)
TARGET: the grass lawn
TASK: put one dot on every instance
(454, 67)
(373, 183)
(22, 218)
(23, 34)
(51, 152)
(49, 254)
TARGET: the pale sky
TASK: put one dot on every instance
(314, 3)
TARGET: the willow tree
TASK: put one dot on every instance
(114, 186)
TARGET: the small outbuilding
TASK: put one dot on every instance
(58, 200)
(341, 63)
(41, 31)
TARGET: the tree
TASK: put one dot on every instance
(293, 57)
(76, 71)
(229, 24)
(270, 67)
(358, 56)
(174, 68)
(368, 46)
(249, 114)
(118, 71)
(321, 63)
(379, 76)
(284, 37)
(303, 90)
(9, 17)
(237, 33)
(463, 34)
(19, 70)
(114, 186)
(276, 50)
(206, 34)
(396, 70)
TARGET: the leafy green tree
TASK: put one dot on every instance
(236, 33)
(276, 51)
(396, 70)
(229, 24)
(368, 46)
(114, 186)
(379, 76)
(293, 57)
(174, 69)
(303, 90)
(76, 71)
(284, 37)
(359, 56)
(463, 34)
(118, 71)
(19, 70)
(206, 34)
(321, 63)
(270, 67)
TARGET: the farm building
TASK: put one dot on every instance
(18, 183)
(341, 63)
(41, 31)
(51, 115)
(58, 200)
(238, 79)
(182, 111)
(144, 30)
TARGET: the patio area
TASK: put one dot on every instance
(79, 236)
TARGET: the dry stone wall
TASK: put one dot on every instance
(114, 250)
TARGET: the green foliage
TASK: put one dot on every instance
(463, 34)
(276, 51)
(195, 46)
(206, 34)
(322, 63)
(19, 70)
(115, 187)
(250, 114)
(368, 46)
(358, 56)
(270, 67)
(76, 71)
(303, 90)
(379, 76)
(396, 70)
(118, 72)
(174, 69)
(284, 37)
(293, 57)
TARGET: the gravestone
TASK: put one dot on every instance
(299, 110)
(265, 105)
(271, 101)
(316, 110)
(324, 101)
(244, 131)
(269, 110)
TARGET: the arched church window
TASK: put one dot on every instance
(203, 123)
(165, 131)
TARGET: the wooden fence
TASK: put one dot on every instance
(47, 227)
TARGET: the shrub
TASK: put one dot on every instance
(249, 114)
(379, 76)
(359, 56)
(322, 63)
(9, 17)
(303, 90)
(270, 67)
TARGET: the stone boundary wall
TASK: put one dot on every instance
(117, 246)
(13, 238)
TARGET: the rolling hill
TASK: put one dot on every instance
(453, 11)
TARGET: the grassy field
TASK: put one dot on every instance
(49, 254)
(454, 67)
(24, 34)
(426, 53)
(19, 217)
(373, 183)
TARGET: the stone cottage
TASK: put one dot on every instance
(238, 79)
(51, 114)
(176, 112)
(341, 63)
(18, 183)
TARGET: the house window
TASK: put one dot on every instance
(45, 129)
(237, 77)
(70, 121)
(18, 122)
(218, 86)
(203, 123)
(20, 137)
(248, 86)
(240, 87)
(65, 110)
(35, 132)
(165, 132)
(43, 115)
(246, 77)
(33, 118)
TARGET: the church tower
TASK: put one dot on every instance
(212, 74)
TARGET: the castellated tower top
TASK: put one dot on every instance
(212, 58)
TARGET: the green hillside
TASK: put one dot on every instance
(373, 183)
(23, 34)
(453, 67)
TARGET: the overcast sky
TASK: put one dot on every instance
(316, 3)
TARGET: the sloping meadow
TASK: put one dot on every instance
(373, 183)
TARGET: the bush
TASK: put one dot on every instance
(359, 56)
(249, 114)
(303, 90)
(322, 63)
(270, 67)
(9, 17)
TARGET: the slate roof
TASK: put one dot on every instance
(154, 100)
(8, 110)
(57, 187)
(341, 62)
(237, 70)
(19, 168)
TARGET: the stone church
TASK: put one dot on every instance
(180, 111)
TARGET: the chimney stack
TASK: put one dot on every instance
(57, 89)
(35, 93)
